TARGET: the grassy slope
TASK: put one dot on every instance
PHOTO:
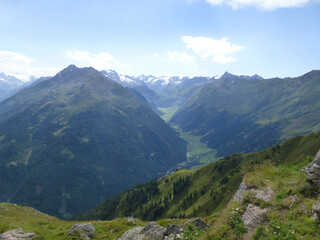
(287, 219)
(278, 167)
(214, 184)
(47, 227)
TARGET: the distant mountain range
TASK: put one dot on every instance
(236, 114)
(68, 142)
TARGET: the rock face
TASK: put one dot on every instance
(198, 222)
(152, 230)
(265, 194)
(86, 230)
(17, 234)
(253, 217)
(313, 170)
(316, 210)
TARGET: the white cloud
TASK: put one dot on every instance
(21, 66)
(99, 61)
(209, 48)
(263, 4)
(175, 56)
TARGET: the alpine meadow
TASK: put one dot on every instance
(160, 120)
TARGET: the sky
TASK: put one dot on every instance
(271, 38)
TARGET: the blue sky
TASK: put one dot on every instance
(161, 37)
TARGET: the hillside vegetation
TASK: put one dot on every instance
(234, 114)
(201, 192)
(71, 141)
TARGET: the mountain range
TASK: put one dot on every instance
(73, 140)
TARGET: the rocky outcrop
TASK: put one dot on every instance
(152, 231)
(266, 194)
(316, 210)
(17, 234)
(253, 217)
(198, 223)
(313, 170)
(86, 230)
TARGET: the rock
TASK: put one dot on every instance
(253, 217)
(316, 210)
(313, 170)
(198, 222)
(152, 230)
(17, 234)
(294, 198)
(172, 229)
(86, 230)
(131, 219)
(243, 188)
(265, 194)
(132, 234)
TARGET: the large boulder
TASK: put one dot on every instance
(313, 170)
(254, 216)
(151, 231)
(198, 222)
(86, 230)
(17, 234)
(132, 234)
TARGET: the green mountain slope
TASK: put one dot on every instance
(70, 142)
(245, 115)
(202, 192)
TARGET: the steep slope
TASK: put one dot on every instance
(73, 140)
(202, 192)
(238, 114)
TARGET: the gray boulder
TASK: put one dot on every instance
(172, 229)
(198, 222)
(17, 234)
(132, 234)
(254, 216)
(151, 231)
(86, 230)
(266, 194)
(316, 210)
(313, 170)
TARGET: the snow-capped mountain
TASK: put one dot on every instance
(9, 85)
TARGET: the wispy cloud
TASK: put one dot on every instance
(21, 66)
(218, 50)
(175, 56)
(99, 61)
(262, 4)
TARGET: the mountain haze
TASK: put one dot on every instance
(236, 114)
(73, 140)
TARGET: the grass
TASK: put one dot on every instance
(46, 227)
(287, 219)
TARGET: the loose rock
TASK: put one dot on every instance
(313, 170)
(17, 234)
(86, 230)
(198, 222)
(316, 211)
(253, 217)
